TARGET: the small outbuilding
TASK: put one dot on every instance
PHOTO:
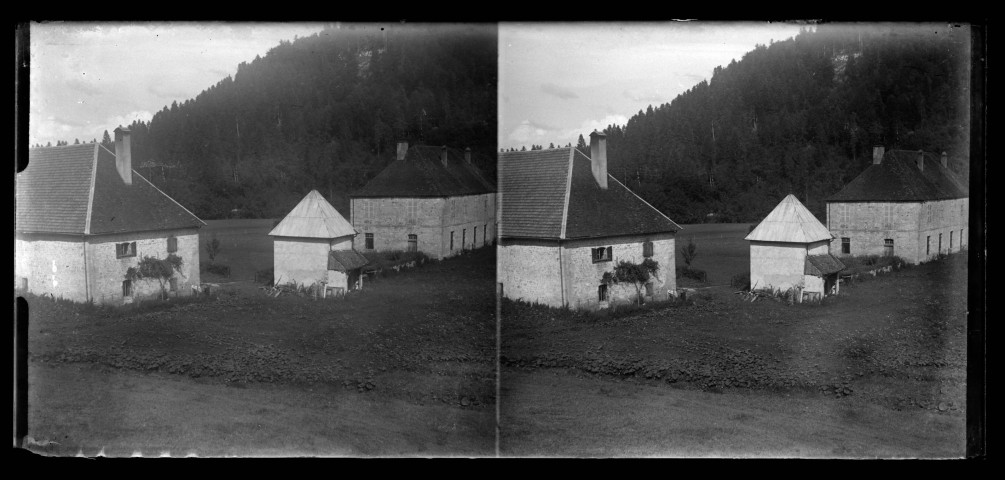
(313, 244)
(790, 249)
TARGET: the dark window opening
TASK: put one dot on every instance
(127, 249)
(173, 284)
(413, 242)
(928, 245)
(647, 249)
(451, 241)
(474, 237)
(951, 241)
(485, 234)
(602, 293)
(601, 254)
(940, 244)
(845, 245)
(464, 238)
(369, 241)
(172, 244)
(888, 247)
(127, 288)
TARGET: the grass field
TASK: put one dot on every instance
(722, 251)
(879, 371)
(405, 367)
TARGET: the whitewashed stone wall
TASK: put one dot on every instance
(583, 276)
(539, 271)
(106, 272)
(54, 264)
(51, 264)
(529, 271)
(391, 220)
(777, 265)
(909, 225)
(305, 260)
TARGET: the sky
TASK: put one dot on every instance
(90, 77)
(557, 81)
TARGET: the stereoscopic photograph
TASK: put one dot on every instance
(676, 239)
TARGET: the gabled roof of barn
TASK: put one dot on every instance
(897, 178)
(76, 189)
(422, 174)
(552, 194)
(790, 221)
(313, 217)
(820, 265)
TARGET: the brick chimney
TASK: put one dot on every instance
(467, 155)
(877, 154)
(402, 150)
(945, 160)
(921, 160)
(443, 155)
(598, 158)
(123, 155)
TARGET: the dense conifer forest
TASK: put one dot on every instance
(798, 116)
(323, 112)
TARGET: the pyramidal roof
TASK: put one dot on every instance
(790, 221)
(313, 217)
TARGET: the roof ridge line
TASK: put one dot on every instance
(90, 193)
(567, 194)
(168, 196)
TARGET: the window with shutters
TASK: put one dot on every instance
(602, 293)
(601, 254)
(127, 288)
(928, 245)
(172, 244)
(127, 249)
(647, 249)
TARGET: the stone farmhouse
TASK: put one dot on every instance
(565, 222)
(313, 244)
(430, 199)
(83, 217)
(907, 203)
(790, 249)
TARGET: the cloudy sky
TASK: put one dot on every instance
(557, 81)
(88, 78)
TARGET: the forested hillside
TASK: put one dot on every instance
(799, 116)
(323, 112)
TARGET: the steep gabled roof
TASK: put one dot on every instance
(532, 192)
(820, 265)
(422, 174)
(898, 179)
(118, 208)
(345, 260)
(790, 221)
(76, 189)
(313, 217)
(551, 194)
(53, 192)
